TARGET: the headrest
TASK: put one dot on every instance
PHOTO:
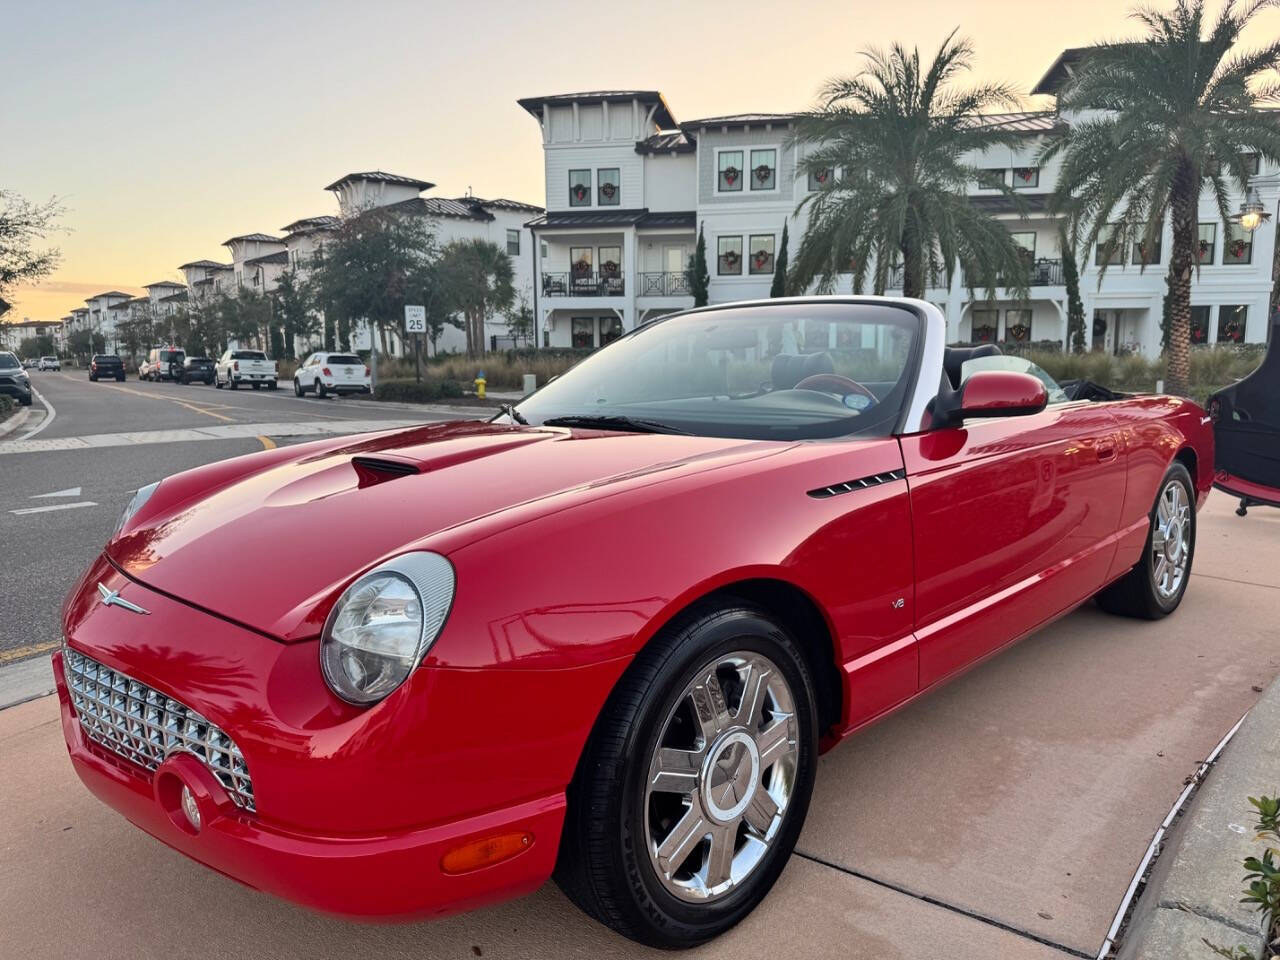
(953, 359)
(790, 368)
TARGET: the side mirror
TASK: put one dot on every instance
(992, 393)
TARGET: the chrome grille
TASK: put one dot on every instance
(144, 726)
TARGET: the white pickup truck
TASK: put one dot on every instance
(249, 367)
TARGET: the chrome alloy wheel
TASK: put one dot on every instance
(721, 777)
(1170, 535)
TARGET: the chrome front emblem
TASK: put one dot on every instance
(112, 598)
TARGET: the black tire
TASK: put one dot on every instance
(320, 391)
(297, 388)
(231, 382)
(92, 378)
(1135, 594)
(120, 378)
(217, 384)
(604, 865)
(272, 385)
(256, 386)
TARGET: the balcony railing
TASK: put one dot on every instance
(582, 284)
(1043, 272)
(665, 284)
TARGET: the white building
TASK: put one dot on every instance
(628, 188)
(206, 278)
(101, 318)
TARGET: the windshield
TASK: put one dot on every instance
(1018, 365)
(8, 360)
(784, 372)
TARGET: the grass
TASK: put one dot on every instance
(1212, 368)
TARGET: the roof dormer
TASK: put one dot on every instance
(374, 188)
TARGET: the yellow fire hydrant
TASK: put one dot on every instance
(479, 382)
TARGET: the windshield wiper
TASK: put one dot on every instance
(514, 414)
(612, 422)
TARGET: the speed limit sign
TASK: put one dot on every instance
(415, 319)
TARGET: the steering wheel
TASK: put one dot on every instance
(834, 383)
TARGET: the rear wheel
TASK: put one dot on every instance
(320, 392)
(1154, 587)
(297, 387)
(231, 382)
(695, 782)
(271, 385)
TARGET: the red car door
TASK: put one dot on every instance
(1014, 522)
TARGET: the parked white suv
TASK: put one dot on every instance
(251, 367)
(50, 363)
(331, 373)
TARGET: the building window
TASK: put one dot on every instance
(610, 187)
(764, 169)
(1105, 236)
(1252, 163)
(579, 188)
(543, 249)
(1237, 245)
(1017, 326)
(1026, 246)
(729, 256)
(1024, 178)
(818, 179)
(513, 243)
(985, 326)
(1204, 247)
(580, 263)
(583, 331)
(730, 171)
(991, 179)
(1152, 255)
(611, 268)
(1200, 317)
(610, 329)
(1231, 323)
(761, 247)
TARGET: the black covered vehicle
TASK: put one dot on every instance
(197, 370)
(106, 366)
(1246, 432)
(14, 381)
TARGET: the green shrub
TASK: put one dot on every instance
(7, 405)
(410, 391)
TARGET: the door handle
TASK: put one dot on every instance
(1106, 449)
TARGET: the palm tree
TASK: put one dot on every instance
(890, 147)
(1163, 118)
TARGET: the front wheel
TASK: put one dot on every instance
(1157, 582)
(695, 782)
(231, 382)
(297, 387)
(271, 385)
(256, 386)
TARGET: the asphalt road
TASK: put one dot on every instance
(103, 441)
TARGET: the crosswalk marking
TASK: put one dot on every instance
(54, 506)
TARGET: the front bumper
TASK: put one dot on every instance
(355, 809)
(18, 391)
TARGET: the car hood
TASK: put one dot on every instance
(272, 547)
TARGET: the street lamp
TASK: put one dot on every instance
(1252, 212)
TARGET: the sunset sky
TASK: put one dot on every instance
(167, 128)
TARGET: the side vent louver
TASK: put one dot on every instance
(860, 484)
(374, 470)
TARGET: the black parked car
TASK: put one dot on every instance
(14, 381)
(196, 370)
(106, 366)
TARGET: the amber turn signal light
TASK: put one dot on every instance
(486, 852)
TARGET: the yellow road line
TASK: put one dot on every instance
(181, 403)
(30, 650)
(267, 443)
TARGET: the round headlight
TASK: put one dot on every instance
(140, 497)
(383, 624)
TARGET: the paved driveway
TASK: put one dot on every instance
(999, 817)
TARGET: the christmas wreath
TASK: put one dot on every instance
(730, 258)
(1020, 331)
(608, 190)
(581, 268)
(1237, 248)
(731, 175)
(1205, 248)
(822, 176)
(580, 192)
(609, 268)
(1233, 330)
(761, 259)
(1025, 174)
(763, 173)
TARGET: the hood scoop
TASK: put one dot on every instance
(375, 470)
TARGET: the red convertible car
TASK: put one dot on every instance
(604, 636)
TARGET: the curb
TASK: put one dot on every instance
(15, 421)
(1194, 890)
